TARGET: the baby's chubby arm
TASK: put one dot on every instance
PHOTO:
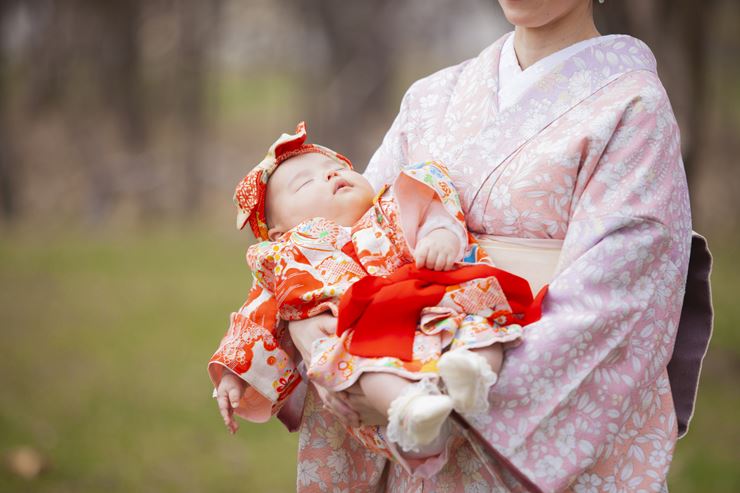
(441, 240)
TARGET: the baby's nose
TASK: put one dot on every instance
(331, 174)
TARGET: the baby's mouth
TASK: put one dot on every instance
(340, 184)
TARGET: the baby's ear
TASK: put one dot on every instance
(274, 233)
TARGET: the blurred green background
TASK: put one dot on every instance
(124, 126)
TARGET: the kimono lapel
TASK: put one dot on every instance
(472, 101)
(558, 91)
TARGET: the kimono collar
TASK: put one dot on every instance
(317, 232)
(566, 84)
(382, 191)
(513, 81)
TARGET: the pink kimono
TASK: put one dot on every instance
(589, 154)
(311, 266)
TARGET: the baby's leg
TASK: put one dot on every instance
(381, 389)
(469, 374)
(494, 355)
(416, 411)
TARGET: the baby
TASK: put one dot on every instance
(382, 264)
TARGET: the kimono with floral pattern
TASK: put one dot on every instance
(590, 154)
(308, 269)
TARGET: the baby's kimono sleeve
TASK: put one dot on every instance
(254, 347)
(427, 200)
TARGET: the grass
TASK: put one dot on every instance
(103, 371)
(106, 369)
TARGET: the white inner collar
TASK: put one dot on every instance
(513, 81)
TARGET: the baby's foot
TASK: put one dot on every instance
(467, 377)
(416, 416)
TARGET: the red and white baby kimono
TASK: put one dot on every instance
(310, 267)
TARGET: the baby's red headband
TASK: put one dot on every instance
(249, 196)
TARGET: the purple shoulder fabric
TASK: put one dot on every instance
(291, 414)
(694, 332)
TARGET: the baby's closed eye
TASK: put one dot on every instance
(304, 183)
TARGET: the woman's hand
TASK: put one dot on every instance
(337, 404)
(305, 332)
(357, 400)
(351, 407)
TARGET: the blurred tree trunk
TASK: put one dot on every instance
(90, 66)
(87, 58)
(49, 51)
(118, 61)
(352, 89)
(8, 171)
(199, 22)
(120, 71)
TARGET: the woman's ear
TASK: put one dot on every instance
(274, 233)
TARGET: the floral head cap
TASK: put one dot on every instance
(250, 193)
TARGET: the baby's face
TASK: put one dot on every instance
(314, 185)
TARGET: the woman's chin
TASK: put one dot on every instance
(530, 14)
(524, 19)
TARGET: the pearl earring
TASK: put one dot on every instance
(602, 1)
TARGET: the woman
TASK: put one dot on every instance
(566, 138)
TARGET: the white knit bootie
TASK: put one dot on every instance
(467, 377)
(416, 416)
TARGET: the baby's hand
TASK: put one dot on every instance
(228, 394)
(437, 250)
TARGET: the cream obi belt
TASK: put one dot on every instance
(534, 259)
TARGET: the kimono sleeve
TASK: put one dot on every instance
(427, 199)
(593, 367)
(254, 349)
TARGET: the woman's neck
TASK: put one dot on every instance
(535, 43)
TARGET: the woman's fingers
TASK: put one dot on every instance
(340, 406)
(345, 413)
(305, 332)
(368, 415)
(354, 389)
(328, 325)
(337, 405)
